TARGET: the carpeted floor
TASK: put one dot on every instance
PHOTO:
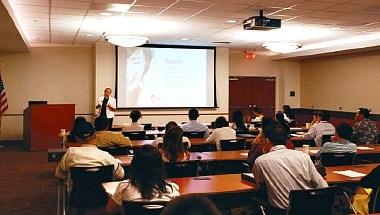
(27, 183)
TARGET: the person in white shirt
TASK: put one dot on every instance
(282, 170)
(87, 155)
(318, 130)
(147, 181)
(194, 125)
(106, 106)
(258, 113)
(168, 126)
(135, 115)
(221, 132)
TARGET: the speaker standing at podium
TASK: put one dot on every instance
(106, 106)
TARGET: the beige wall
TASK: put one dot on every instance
(287, 75)
(106, 53)
(56, 74)
(78, 74)
(347, 81)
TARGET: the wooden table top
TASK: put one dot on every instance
(215, 184)
(334, 178)
(232, 183)
(361, 149)
(224, 155)
(126, 160)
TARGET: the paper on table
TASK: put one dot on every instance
(364, 148)
(295, 129)
(350, 173)
(244, 154)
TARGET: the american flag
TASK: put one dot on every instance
(3, 98)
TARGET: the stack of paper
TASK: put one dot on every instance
(364, 148)
(350, 173)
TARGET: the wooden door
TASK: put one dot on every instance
(245, 93)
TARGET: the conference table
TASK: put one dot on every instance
(232, 183)
(335, 174)
(361, 149)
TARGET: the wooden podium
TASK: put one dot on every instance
(42, 124)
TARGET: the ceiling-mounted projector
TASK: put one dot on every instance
(261, 23)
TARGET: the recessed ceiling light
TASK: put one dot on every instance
(105, 14)
(231, 21)
(89, 35)
(185, 39)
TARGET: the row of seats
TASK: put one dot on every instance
(225, 145)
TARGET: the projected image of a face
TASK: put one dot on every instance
(138, 63)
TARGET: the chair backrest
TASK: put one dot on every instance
(143, 207)
(312, 202)
(87, 191)
(117, 150)
(147, 126)
(135, 135)
(326, 138)
(337, 159)
(194, 134)
(233, 144)
(181, 169)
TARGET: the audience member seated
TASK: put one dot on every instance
(147, 181)
(371, 181)
(105, 138)
(340, 141)
(318, 130)
(194, 125)
(280, 118)
(282, 170)
(191, 205)
(173, 149)
(221, 132)
(168, 126)
(238, 122)
(87, 155)
(135, 115)
(316, 117)
(365, 130)
(261, 145)
(288, 115)
(71, 134)
(258, 115)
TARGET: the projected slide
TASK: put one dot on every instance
(165, 77)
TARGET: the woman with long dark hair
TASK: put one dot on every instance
(238, 122)
(147, 181)
(173, 149)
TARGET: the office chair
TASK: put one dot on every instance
(232, 144)
(143, 207)
(147, 126)
(194, 134)
(326, 138)
(87, 191)
(135, 135)
(312, 201)
(337, 159)
(182, 169)
(114, 150)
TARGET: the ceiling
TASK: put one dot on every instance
(316, 24)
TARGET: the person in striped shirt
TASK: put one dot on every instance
(340, 141)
